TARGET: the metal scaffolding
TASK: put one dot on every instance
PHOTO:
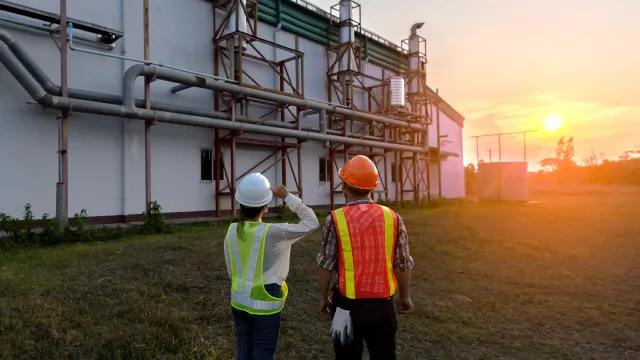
(346, 78)
(360, 116)
(231, 48)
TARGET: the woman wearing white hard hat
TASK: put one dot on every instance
(257, 256)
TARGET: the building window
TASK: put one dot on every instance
(324, 171)
(394, 173)
(208, 166)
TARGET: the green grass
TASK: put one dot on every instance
(552, 280)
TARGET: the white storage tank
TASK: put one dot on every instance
(503, 181)
(397, 91)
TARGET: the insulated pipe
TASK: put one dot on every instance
(60, 103)
(138, 70)
(36, 72)
(53, 89)
(54, 31)
(322, 125)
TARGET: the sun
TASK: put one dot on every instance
(552, 123)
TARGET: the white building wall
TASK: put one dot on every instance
(453, 186)
(106, 154)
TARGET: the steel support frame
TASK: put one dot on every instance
(226, 64)
(338, 153)
(411, 168)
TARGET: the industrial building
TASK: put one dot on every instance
(110, 105)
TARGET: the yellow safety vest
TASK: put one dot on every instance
(247, 287)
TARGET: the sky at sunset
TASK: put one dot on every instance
(507, 65)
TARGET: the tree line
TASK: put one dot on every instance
(593, 168)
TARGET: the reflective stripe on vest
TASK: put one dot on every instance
(245, 279)
(366, 240)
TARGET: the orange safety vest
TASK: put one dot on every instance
(366, 241)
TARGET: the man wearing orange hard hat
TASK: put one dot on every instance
(366, 246)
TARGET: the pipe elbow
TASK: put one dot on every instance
(128, 82)
(6, 38)
(134, 71)
(415, 27)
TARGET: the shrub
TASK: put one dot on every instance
(23, 232)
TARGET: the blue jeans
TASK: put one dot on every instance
(257, 335)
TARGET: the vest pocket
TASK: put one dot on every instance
(274, 290)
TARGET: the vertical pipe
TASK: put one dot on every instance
(499, 148)
(147, 125)
(62, 194)
(279, 12)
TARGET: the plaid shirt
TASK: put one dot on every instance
(328, 256)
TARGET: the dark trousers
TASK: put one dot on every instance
(374, 322)
(257, 335)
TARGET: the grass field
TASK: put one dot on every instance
(558, 279)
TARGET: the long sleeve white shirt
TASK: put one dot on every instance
(279, 238)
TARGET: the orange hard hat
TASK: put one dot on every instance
(360, 172)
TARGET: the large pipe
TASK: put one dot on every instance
(414, 60)
(29, 64)
(61, 103)
(347, 60)
(138, 70)
(237, 22)
(32, 67)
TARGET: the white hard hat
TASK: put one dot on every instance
(254, 191)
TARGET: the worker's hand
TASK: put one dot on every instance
(403, 306)
(280, 191)
(325, 306)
